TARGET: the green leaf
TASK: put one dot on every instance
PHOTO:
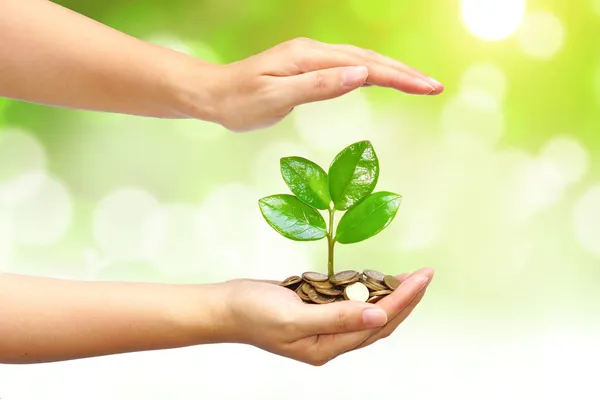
(353, 175)
(368, 218)
(307, 181)
(292, 218)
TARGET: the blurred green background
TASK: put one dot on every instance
(500, 174)
(497, 174)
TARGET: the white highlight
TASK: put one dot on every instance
(486, 78)
(491, 19)
(595, 6)
(44, 215)
(477, 118)
(236, 241)
(19, 153)
(336, 123)
(569, 155)
(122, 224)
(541, 35)
(587, 220)
(178, 252)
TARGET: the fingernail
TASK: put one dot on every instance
(353, 76)
(373, 318)
(434, 82)
(424, 87)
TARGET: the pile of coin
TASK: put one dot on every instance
(316, 288)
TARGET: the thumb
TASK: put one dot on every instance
(323, 84)
(343, 316)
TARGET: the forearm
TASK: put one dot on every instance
(51, 55)
(45, 320)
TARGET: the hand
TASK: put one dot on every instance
(263, 89)
(275, 319)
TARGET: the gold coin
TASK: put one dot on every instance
(374, 299)
(356, 291)
(319, 298)
(381, 292)
(374, 275)
(305, 287)
(301, 294)
(291, 281)
(344, 277)
(322, 285)
(328, 291)
(391, 282)
(315, 277)
(373, 285)
(339, 298)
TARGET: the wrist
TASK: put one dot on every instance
(193, 86)
(203, 314)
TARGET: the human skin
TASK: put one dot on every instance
(53, 56)
(47, 320)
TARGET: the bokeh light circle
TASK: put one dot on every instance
(595, 6)
(20, 153)
(587, 220)
(539, 184)
(492, 19)
(236, 241)
(44, 216)
(473, 116)
(569, 155)
(266, 170)
(178, 252)
(123, 222)
(541, 35)
(335, 123)
(485, 77)
(5, 240)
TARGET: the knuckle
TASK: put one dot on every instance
(370, 53)
(340, 322)
(321, 83)
(317, 360)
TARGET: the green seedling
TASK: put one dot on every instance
(347, 187)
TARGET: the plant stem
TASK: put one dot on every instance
(330, 244)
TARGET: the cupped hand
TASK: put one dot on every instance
(261, 90)
(275, 319)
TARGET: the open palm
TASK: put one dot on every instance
(275, 319)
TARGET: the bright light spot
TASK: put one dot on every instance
(596, 6)
(570, 155)
(587, 220)
(540, 184)
(20, 188)
(541, 35)
(266, 170)
(122, 224)
(481, 120)
(19, 153)
(171, 42)
(5, 240)
(336, 123)
(196, 49)
(43, 217)
(179, 253)
(597, 84)
(236, 242)
(420, 230)
(487, 78)
(492, 19)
